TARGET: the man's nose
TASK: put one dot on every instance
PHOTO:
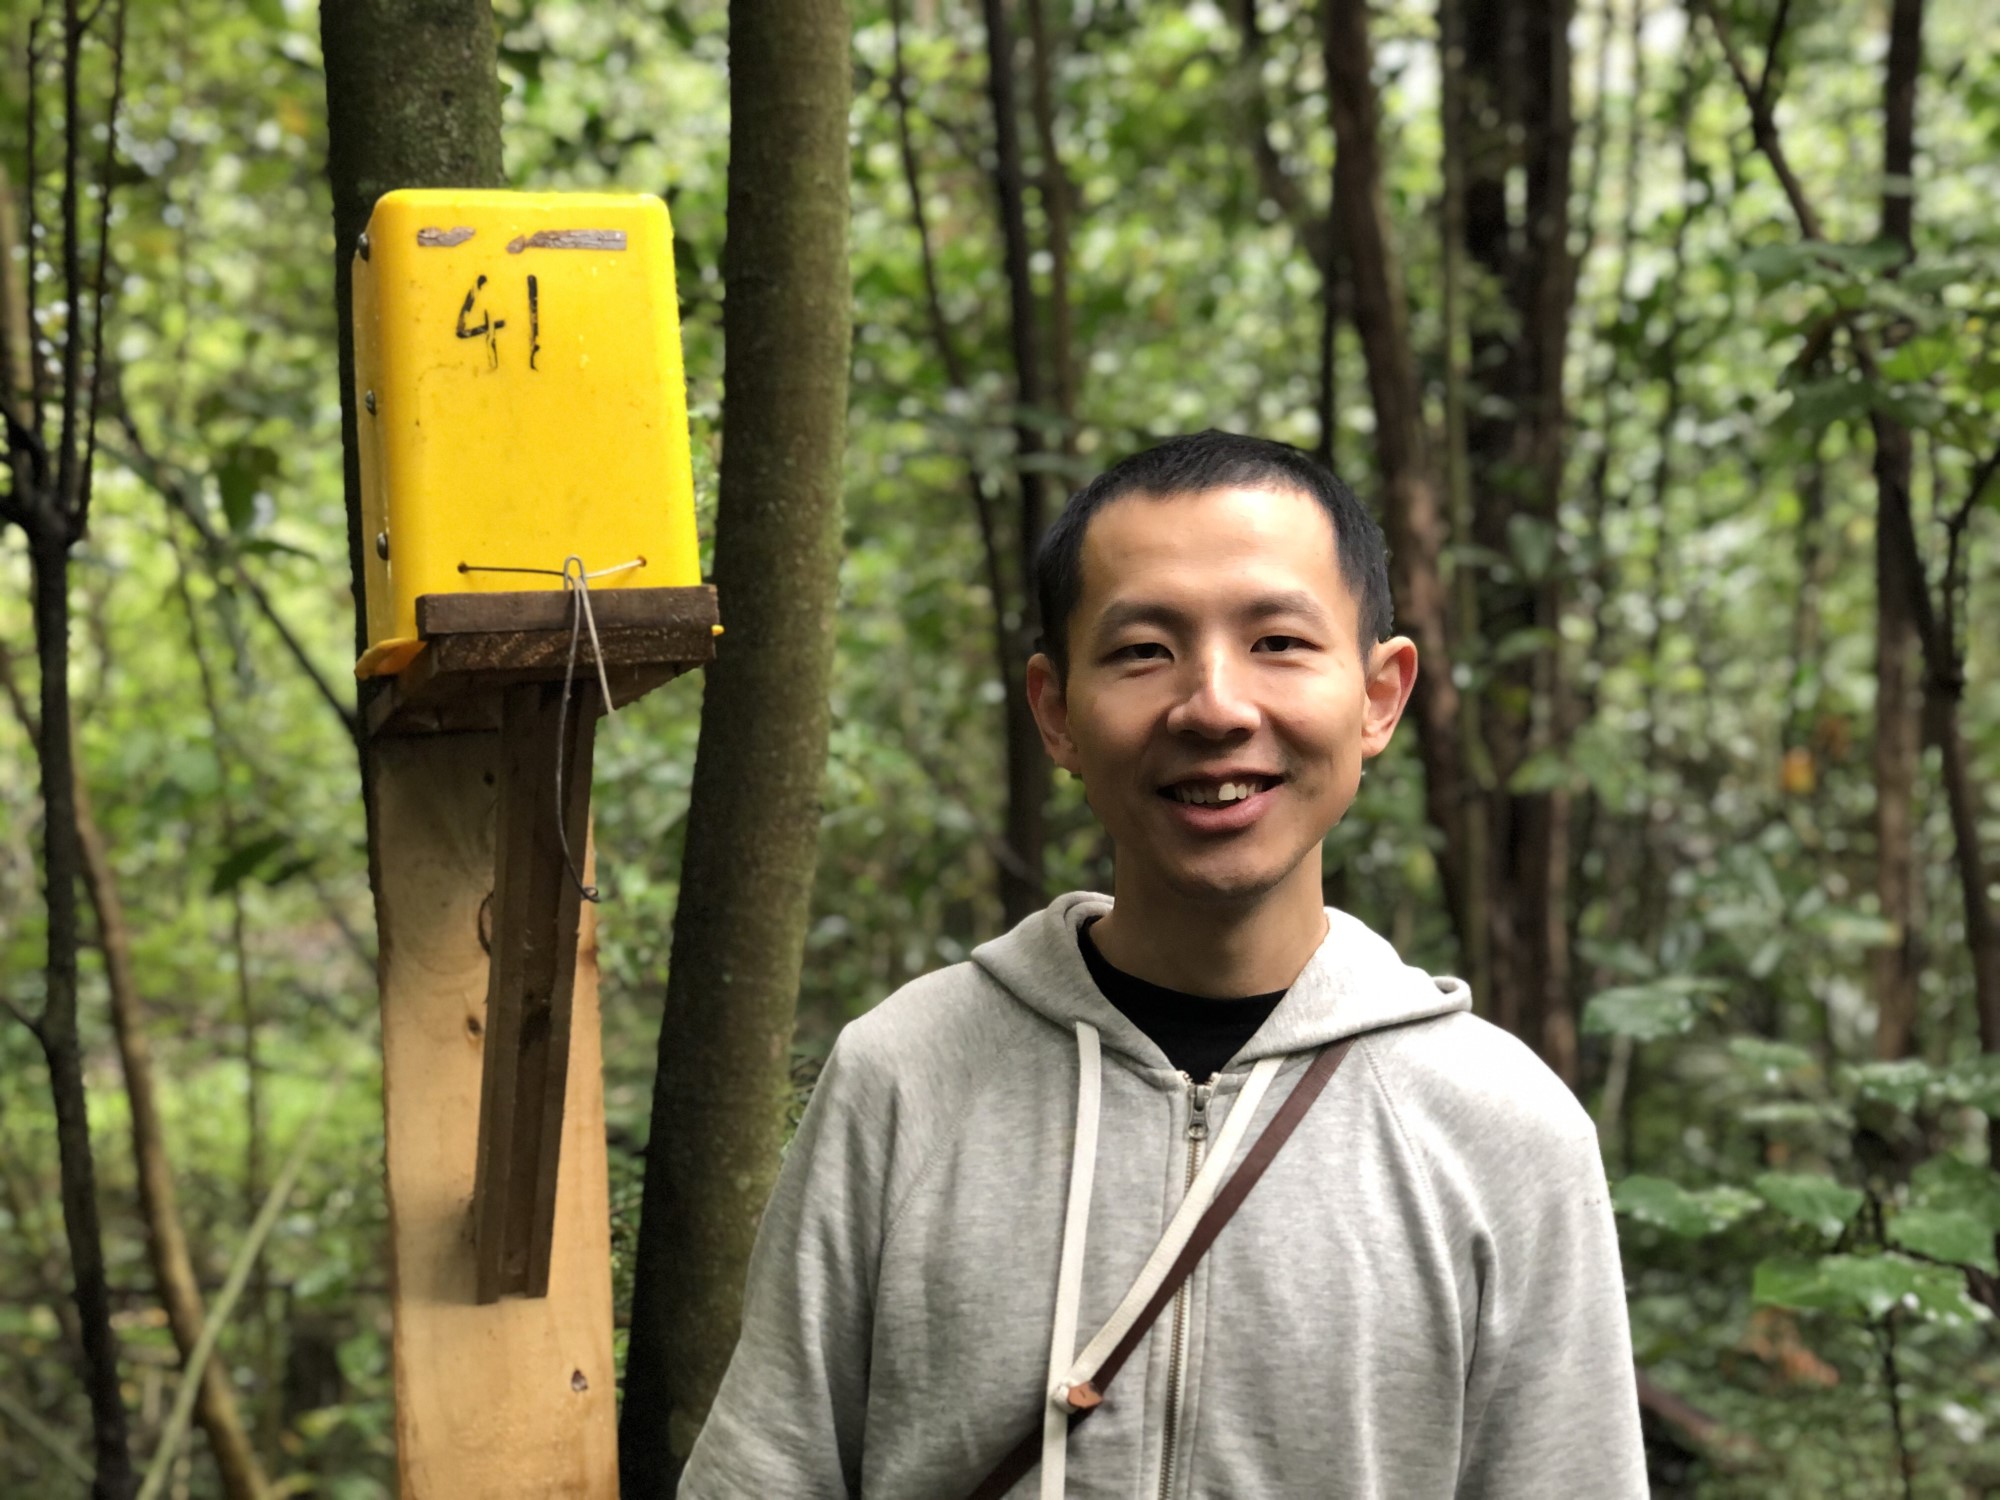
(1215, 700)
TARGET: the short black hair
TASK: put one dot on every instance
(1192, 464)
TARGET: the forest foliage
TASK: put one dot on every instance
(1808, 1211)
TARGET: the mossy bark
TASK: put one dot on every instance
(747, 876)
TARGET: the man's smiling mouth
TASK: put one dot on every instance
(1209, 792)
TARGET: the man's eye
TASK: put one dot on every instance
(1140, 651)
(1281, 643)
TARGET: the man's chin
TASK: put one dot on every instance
(1225, 888)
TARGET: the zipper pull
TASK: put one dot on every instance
(1198, 1096)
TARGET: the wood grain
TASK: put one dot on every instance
(515, 1398)
(533, 942)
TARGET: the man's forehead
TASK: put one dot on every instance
(1224, 526)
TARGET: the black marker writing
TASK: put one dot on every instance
(534, 322)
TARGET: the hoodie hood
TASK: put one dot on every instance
(1354, 982)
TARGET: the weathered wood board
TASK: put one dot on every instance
(517, 1397)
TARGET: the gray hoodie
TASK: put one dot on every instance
(1422, 1297)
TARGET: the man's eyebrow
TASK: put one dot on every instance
(1287, 602)
(1130, 612)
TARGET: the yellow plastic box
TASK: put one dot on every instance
(521, 400)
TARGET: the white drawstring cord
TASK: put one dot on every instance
(1069, 1279)
(1207, 1183)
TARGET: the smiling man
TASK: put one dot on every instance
(1113, 1145)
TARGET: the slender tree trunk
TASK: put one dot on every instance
(1517, 123)
(49, 458)
(1027, 764)
(1895, 966)
(1943, 670)
(412, 100)
(1476, 858)
(57, 1026)
(1411, 514)
(166, 1238)
(747, 875)
(1053, 188)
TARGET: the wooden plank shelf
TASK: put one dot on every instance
(476, 643)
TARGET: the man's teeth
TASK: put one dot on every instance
(1228, 791)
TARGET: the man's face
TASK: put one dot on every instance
(1219, 702)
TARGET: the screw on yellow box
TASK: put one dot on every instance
(520, 400)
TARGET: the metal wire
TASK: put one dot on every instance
(576, 580)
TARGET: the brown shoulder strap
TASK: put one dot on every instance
(1025, 1454)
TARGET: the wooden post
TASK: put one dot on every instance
(511, 1398)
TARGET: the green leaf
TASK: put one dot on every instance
(1818, 404)
(1976, 1082)
(1532, 543)
(1946, 1234)
(1775, 265)
(1875, 1283)
(240, 863)
(1543, 771)
(1948, 1183)
(1771, 1061)
(241, 474)
(1901, 1085)
(1856, 930)
(1864, 1285)
(1657, 1201)
(1780, 1113)
(1788, 1281)
(1646, 1012)
(1816, 1201)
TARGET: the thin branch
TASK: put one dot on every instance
(954, 364)
(1892, 1379)
(1057, 194)
(176, 1427)
(30, 182)
(1763, 126)
(1954, 557)
(1771, 49)
(157, 476)
(102, 290)
(17, 699)
(51, 1440)
(34, 1026)
(1315, 231)
(991, 552)
(63, 503)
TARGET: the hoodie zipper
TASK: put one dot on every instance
(1199, 1095)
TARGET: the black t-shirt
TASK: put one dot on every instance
(1198, 1034)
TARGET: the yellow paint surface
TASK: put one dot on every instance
(522, 355)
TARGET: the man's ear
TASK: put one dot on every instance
(1050, 706)
(1392, 673)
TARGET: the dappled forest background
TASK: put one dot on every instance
(1676, 388)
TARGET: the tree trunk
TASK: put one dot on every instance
(1053, 188)
(1894, 967)
(1027, 763)
(747, 875)
(1475, 856)
(57, 1027)
(1518, 122)
(412, 100)
(166, 1238)
(1410, 510)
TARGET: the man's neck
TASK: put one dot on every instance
(1203, 949)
